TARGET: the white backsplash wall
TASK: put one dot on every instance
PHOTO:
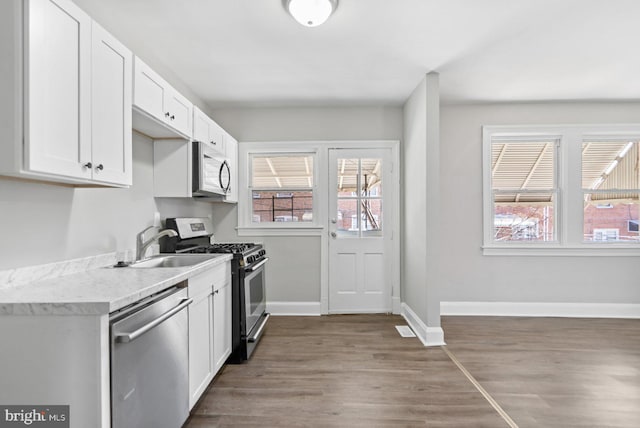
(44, 223)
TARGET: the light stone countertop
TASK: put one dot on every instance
(97, 291)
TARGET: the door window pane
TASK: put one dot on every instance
(347, 217)
(371, 177)
(359, 197)
(372, 217)
(347, 177)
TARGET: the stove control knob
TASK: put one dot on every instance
(251, 259)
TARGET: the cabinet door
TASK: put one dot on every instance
(111, 108)
(149, 91)
(216, 137)
(58, 88)
(180, 112)
(200, 346)
(200, 126)
(222, 326)
(231, 146)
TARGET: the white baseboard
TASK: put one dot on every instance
(429, 336)
(532, 309)
(294, 308)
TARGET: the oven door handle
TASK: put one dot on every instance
(129, 337)
(256, 335)
(257, 265)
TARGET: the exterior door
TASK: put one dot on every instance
(360, 219)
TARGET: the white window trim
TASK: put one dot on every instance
(245, 225)
(570, 203)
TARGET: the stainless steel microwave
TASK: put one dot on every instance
(211, 172)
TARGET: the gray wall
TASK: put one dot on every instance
(413, 224)
(421, 212)
(43, 223)
(470, 276)
(293, 274)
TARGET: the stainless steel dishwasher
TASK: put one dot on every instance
(149, 362)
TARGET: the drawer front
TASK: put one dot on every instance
(213, 278)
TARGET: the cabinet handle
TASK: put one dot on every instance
(88, 165)
(172, 117)
(213, 142)
(167, 114)
(100, 167)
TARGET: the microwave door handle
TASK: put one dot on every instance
(223, 167)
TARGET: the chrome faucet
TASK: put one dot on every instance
(142, 246)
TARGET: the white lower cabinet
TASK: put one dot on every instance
(200, 344)
(209, 327)
(221, 326)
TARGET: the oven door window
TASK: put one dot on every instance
(254, 297)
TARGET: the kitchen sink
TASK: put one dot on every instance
(172, 261)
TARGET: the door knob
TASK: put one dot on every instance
(334, 221)
(333, 234)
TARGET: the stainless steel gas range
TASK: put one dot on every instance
(247, 275)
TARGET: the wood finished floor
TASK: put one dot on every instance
(356, 371)
(554, 372)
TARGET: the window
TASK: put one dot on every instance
(562, 187)
(610, 183)
(524, 189)
(281, 187)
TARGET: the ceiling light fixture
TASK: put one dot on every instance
(310, 13)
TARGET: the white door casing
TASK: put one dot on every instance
(360, 226)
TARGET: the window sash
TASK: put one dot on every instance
(273, 155)
(251, 214)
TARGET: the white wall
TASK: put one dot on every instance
(43, 223)
(471, 277)
(293, 273)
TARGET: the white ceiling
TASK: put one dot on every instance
(374, 52)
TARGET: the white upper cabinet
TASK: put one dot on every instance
(111, 94)
(206, 130)
(164, 112)
(63, 82)
(57, 88)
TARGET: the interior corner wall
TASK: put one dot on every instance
(420, 213)
(471, 277)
